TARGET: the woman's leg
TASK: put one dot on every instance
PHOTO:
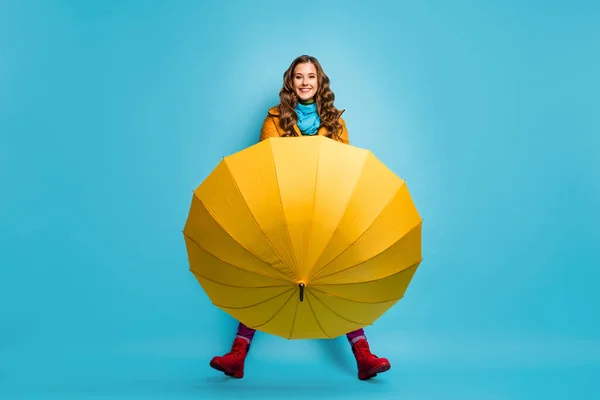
(245, 333)
(355, 336)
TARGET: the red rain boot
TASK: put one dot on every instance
(369, 365)
(232, 363)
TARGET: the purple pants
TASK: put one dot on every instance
(248, 333)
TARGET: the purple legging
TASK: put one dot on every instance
(248, 333)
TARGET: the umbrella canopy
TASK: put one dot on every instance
(303, 237)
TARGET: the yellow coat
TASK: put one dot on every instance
(271, 127)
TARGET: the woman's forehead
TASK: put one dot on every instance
(305, 68)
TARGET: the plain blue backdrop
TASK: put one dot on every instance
(112, 112)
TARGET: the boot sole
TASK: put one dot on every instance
(220, 367)
(363, 376)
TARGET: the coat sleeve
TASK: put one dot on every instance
(268, 129)
(344, 133)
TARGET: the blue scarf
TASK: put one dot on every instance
(308, 119)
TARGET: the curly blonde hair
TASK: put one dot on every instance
(324, 98)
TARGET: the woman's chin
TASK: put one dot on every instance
(305, 97)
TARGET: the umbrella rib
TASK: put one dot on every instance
(276, 312)
(257, 224)
(336, 313)
(312, 218)
(372, 280)
(254, 305)
(228, 234)
(294, 320)
(316, 318)
(354, 300)
(317, 278)
(287, 229)
(315, 273)
(340, 221)
(236, 286)
(285, 278)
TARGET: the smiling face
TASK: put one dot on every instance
(305, 81)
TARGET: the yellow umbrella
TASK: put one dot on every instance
(303, 237)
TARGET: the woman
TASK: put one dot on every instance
(306, 108)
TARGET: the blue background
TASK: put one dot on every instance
(111, 113)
